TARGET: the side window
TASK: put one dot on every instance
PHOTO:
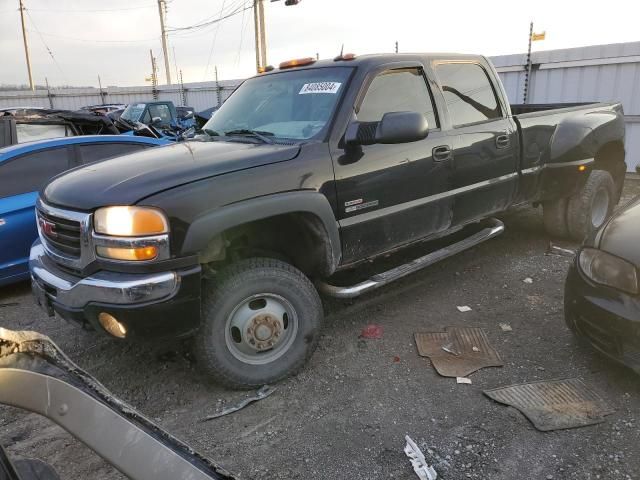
(402, 90)
(468, 93)
(161, 111)
(96, 153)
(29, 132)
(29, 173)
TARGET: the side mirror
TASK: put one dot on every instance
(395, 127)
(188, 116)
(402, 127)
(156, 121)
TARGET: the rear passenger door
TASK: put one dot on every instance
(388, 194)
(485, 141)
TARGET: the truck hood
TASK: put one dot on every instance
(126, 180)
(621, 235)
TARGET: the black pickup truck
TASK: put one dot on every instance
(308, 170)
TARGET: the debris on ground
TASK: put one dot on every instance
(554, 404)
(10, 304)
(464, 308)
(528, 280)
(418, 462)
(506, 327)
(464, 380)
(472, 347)
(372, 332)
(556, 250)
(263, 393)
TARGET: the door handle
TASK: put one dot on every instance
(441, 153)
(503, 141)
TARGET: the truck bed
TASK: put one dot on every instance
(524, 108)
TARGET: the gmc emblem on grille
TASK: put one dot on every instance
(48, 228)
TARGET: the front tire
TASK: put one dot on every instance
(589, 208)
(259, 324)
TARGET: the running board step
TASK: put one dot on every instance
(495, 228)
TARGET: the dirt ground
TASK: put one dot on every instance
(345, 416)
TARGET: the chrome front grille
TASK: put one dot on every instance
(65, 235)
(61, 234)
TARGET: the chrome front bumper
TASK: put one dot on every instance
(102, 287)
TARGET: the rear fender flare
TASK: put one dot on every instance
(214, 222)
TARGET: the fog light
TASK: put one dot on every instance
(111, 325)
(136, 254)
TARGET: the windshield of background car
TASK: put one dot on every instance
(296, 104)
(133, 112)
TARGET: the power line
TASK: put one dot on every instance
(243, 29)
(211, 22)
(46, 46)
(213, 42)
(91, 40)
(58, 10)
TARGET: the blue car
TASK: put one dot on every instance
(26, 167)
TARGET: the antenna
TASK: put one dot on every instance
(342, 50)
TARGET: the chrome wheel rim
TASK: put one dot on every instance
(261, 329)
(600, 208)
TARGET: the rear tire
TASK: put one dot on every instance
(259, 324)
(589, 208)
(554, 214)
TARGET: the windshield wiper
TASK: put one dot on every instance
(264, 136)
(211, 133)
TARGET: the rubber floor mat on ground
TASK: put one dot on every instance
(458, 351)
(554, 404)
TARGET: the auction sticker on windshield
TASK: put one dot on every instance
(320, 87)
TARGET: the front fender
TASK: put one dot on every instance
(214, 222)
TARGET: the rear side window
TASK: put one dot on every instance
(401, 90)
(29, 132)
(468, 93)
(29, 173)
(103, 151)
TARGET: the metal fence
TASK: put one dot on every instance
(200, 96)
(586, 74)
(600, 73)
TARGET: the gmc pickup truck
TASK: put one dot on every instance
(306, 171)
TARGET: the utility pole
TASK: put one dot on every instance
(396, 46)
(162, 10)
(26, 46)
(154, 77)
(101, 91)
(218, 89)
(261, 32)
(257, 23)
(46, 81)
(527, 75)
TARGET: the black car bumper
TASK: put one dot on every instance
(146, 305)
(607, 318)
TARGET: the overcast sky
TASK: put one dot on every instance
(112, 38)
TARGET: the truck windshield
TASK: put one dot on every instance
(295, 104)
(133, 112)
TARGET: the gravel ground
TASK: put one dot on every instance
(345, 416)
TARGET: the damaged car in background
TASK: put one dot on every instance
(602, 290)
(306, 172)
(36, 376)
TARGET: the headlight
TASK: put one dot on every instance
(130, 221)
(609, 270)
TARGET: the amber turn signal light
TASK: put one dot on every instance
(128, 254)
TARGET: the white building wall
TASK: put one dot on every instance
(600, 73)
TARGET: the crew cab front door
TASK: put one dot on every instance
(485, 141)
(388, 195)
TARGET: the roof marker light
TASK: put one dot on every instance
(345, 57)
(298, 62)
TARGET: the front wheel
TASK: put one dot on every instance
(259, 324)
